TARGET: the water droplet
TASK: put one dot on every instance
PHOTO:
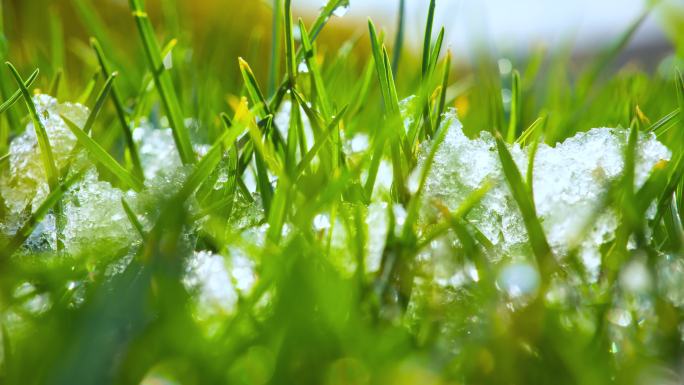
(518, 280)
(505, 66)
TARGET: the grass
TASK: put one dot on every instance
(316, 314)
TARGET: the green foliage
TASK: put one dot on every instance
(316, 314)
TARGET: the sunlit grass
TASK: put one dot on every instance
(289, 195)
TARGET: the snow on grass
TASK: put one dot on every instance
(569, 182)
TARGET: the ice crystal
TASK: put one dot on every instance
(95, 218)
(569, 181)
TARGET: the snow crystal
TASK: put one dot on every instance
(95, 218)
(157, 150)
(569, 181)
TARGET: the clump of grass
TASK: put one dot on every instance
(266, 175)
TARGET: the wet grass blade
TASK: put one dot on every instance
(102, 156)
(15, 96)
(163, 82)
(43, 141)
(523, 198)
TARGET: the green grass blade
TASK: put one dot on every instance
(514, 118)
(208, 163)
(99, 103)
(314, 70)
(665, 123)
(436, 51)
(414, 204)
(533, 129)
(443, 92)
(276, 46)
(164, 84)
(523, 198)
(253, 89)
(54, 85)
(15, 96)
(379, 63)
(290, 62)
(102, 156)
(120, 111)
(311, 154)
(427, 45)
(399, 39)
(43, 141)
(133, 218)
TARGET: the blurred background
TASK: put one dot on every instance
(217, 28)
(559, 48)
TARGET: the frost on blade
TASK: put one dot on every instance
(569, 181)
(26, 181)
